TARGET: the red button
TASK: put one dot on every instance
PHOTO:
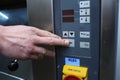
(72, 77)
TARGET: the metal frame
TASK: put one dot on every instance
(107, 52)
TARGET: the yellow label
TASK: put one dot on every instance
(75, 70)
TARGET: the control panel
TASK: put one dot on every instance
(79, 22)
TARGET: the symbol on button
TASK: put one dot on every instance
(65, 33)
(71, 34)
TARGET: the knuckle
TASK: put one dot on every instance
(32, 29)
(29, 49)
(25, 56)
(51, 41)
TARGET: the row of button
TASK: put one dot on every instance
(84, 11)
(82, 44)
(83, 34)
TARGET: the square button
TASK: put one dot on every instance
(84, 11)
(84, 4)
(65, 33)
(84, 19)
(84, 44)
(84, 34)
(72, 42)
(71, 34)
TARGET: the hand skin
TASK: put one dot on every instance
(21, 42)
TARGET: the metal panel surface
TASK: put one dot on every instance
(40, 14)
(107, 52)
(117, 74)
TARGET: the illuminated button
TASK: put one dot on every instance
(84, 44)
(71, 34)
(84, 19)
(84, 34)
(72, 77)
(84, 11)
(72, 42)
(65, 33)
(84, 4)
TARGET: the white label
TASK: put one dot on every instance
(84, 11)
(72, 61)
(72, 42)
(84, 19)
(84, 34)
(84, 44)
(84, 4)
(71, 34)
(65, 33)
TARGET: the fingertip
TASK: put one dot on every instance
(66, 42)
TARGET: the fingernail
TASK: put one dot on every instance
(67, 42)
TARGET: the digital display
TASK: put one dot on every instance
(68, 12)
(68, 19)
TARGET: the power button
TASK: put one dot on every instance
(72, 77)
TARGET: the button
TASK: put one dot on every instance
(71, 34)
(84, 19)
(84, 34)
(72, 77)
(84, 4)
(72, 42)
(84, 44)
(65, 33)
(84, 11)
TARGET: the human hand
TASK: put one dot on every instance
(21, 42)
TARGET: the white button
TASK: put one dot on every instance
(84, 11)
(72, 42)
(71, 34)
(84, 44)
(84, 34)
(84, 19)
(65, 33)
(84, 4)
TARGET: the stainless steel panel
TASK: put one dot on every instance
(107, 52)
(24, 71)
(117, 74)
(40, 13)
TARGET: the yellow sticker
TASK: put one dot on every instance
(75, 70)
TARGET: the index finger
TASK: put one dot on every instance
(51, 41)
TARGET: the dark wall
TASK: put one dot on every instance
(8, 4)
